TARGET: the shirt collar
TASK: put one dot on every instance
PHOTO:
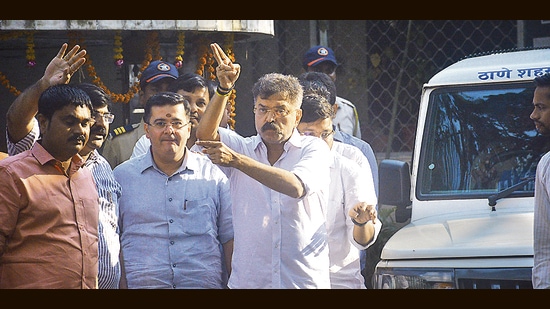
(294, 140)
(146, 162)
(43, 156)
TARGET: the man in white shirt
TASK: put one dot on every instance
(279, 185)
(352, 197)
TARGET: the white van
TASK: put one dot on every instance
(469, 190)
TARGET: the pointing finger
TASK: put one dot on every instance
(207, 143)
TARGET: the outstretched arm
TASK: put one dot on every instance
(227, 73)
(25, 107)
(272, 177)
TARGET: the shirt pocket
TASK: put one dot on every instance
(198, 216)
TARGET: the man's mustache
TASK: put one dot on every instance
(98, 130)
(269, 126)
(79, 138)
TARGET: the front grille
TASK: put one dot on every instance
(494, 278)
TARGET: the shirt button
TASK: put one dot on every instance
(174, 265)
(172, 242)
(171, 221)
(170, 199)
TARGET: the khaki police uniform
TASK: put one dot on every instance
(120, 144)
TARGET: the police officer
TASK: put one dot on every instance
(321, 59)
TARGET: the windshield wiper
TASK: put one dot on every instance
(504, 193)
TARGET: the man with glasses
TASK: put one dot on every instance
(279, 184)
(156, 77)
(176, 225)
(351, 216)
(321, 83)
(322, 59)
(22, 132)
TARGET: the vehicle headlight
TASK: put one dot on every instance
(414, 278)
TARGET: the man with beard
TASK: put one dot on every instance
(49, 203)
(22, 132)
(541, 118)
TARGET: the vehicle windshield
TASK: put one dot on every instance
(479, 140)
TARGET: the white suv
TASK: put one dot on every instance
(469, 191)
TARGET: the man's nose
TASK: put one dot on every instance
(270, 115)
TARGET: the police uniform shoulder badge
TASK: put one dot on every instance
(123, 129)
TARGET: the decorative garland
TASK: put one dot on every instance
(115, 97)
(3, 79)
(119, 59)
(152, 52)
(229, 40)
(203, 56)
(31, 58)
(179, 50)
(10, 35)
(210, 62)
(152, 42)
(6, 83)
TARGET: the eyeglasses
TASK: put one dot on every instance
(161, 125)
(107, 117)
(279, 112)
(323, 135)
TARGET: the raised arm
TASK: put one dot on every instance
(227, 73)
(25, 106)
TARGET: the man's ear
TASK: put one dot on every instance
(334, 109)
(42, 122)
(298, 116)
(146, 128)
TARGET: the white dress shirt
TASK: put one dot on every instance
(280, 241)
(350, 184)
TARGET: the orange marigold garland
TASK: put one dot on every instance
(210, 62)
(203, 56)
(10, 35)
(119, 59)
(31, 58)
(6, 83)
(74, 39)
(116, 97)
(179, 50)
(229, 40)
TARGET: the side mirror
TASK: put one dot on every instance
(395, 187)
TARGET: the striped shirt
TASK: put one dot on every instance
(541, 269)
(109, 192)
